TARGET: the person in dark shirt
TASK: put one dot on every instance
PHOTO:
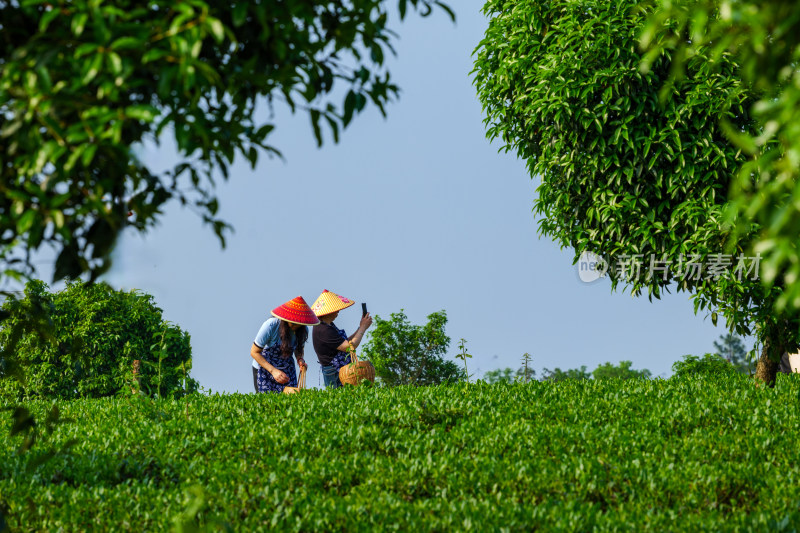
(330, 342)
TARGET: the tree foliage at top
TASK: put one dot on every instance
(95, 333)
(636, 178)
(83, 83)
(408, 354)
(764, 38)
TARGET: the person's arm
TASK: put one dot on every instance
(277, 375)
(355, 338)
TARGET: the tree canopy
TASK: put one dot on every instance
(637, 178)
(408, 354)
(763, 37)
(83, 83)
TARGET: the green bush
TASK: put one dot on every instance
(706, 454)
(86, 348)
(710, 363)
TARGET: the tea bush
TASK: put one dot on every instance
(701, 453)
(96, 333)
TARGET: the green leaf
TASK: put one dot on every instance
(78, 23)
(127, 43)
(217, 29)
(240, 13)
(315, 116)
(349, 107)
(145, 113)
(26, 221)
(92, 68)
(49, 16)
(114, 62)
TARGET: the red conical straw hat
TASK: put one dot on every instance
(296, 311)
(330, 302)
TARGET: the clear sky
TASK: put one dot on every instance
(416, 212)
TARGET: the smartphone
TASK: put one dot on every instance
(363, 309)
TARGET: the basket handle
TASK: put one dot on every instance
(353, 356)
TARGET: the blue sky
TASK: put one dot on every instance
(416, 212)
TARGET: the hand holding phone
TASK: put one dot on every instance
(363, 309)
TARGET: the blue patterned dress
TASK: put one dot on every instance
(341, 358)
(266, 383)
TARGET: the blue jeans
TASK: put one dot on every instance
(330, 374)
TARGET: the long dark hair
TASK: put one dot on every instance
(286, 340)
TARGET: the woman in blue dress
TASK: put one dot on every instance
(277, 339)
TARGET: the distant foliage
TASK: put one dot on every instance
(710, 363)
(603, 371)
(561, 375)
(96, 335)
(623, 371)
(407, 354)
(508, 375)
(731, 348)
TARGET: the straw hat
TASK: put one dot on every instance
(296, 311)
(330, 302)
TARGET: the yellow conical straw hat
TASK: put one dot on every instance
(330, 302)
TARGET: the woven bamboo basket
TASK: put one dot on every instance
(301, 384)
(357, 371)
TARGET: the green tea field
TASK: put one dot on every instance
(692, 454)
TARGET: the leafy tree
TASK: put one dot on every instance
(731, 348)
(623, 371)
(96, 335)
(83, 84)
(764, 38)
(640, 180)
(561, 375)
(407, 354)
(709, 364)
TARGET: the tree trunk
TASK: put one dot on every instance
(766, 368)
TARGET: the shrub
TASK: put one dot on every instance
(95, 333)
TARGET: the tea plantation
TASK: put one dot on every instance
(690, 454)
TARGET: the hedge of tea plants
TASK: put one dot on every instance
(700, 453)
